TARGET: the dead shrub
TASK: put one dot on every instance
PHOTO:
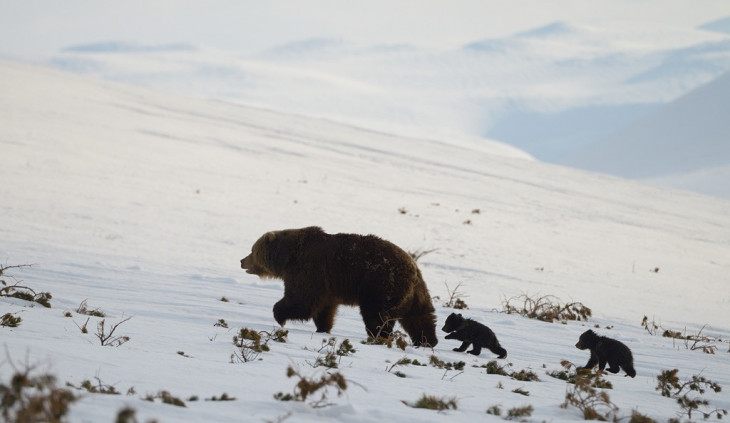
(546, 308)
(22, 292)
(306, 387)
(34, 398)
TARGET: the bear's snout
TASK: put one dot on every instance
(246, 263)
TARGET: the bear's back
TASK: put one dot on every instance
(370, 253)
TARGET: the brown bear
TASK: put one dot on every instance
(321, 271)
(606, 350)
(470, 332)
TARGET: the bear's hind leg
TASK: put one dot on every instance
(497, 349)
(613, 367)
(476, 350)
(629, 369)
(324, 319)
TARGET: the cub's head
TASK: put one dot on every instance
(268, 257)
(587, 340)
(452, 322)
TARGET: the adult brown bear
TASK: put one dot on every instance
(321, 271)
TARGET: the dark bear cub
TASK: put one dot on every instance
(469, 332)
(606, 350)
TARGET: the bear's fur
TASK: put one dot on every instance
(321, 271)
(606, 350)
(472, 332)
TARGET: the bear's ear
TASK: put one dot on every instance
(461, 315)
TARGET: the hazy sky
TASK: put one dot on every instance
(31, 28)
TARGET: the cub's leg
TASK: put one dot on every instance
(476, 350)
(463, 347)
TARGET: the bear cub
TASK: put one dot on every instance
(604, 351)
(472, 332)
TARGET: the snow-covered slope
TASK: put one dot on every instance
(686, 136)
(548, 91)
(142, 203)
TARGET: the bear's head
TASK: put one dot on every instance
(272, 253)
(453, 322)
(587, 340)
(268, 256)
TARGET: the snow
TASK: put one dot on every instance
(686, 137)
(142, 203)
(549, 90)
(564, 78)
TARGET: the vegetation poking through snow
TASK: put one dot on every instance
(250, 343)
(546, 308)
(95, 388)
(455, 365)
(519, 413)
(332, 353)
(692, 342)
(432, 402)
(22, 292)
(84, 309)
(593, 402)
(8, 320)
(688, 393)
(30, 397)
(455, 298)
(305, 387)
(493, 368)
(107, 337)
(166, 398)
(570, 372)
(396, 338)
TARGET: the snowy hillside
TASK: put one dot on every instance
(142, 203)
(549, 90)
(688, 136)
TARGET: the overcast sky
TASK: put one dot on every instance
(32, 28)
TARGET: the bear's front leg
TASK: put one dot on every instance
(325, 318)
(377, 323)
(602, 361)
(476, 350)
(591, 361)
(452, 335)
(463, 347)
(287, 310)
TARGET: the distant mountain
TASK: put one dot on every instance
(555, 29)
(720, 25)
(124, 47)
(687, 135)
